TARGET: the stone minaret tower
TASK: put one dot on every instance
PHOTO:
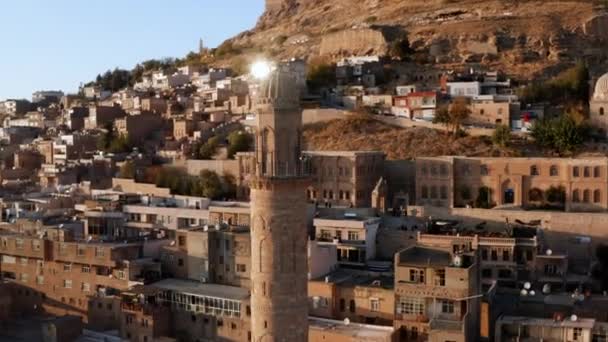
(279, 261)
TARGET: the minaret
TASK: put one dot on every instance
(279, 299)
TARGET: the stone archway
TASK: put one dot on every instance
(507, 191)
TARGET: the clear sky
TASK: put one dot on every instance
(50, 45)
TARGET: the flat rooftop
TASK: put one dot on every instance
(359, 332)
(201, 289)
(423, 256)
(587, 323)
(350, 278)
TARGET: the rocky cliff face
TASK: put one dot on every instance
(520, 37)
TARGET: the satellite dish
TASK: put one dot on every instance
(574, 318)
(527, 285)
(346, 321)
(549, 252)
(524, 292)
(547, 288)
(532, 293)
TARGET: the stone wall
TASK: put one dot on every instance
(354, 42)
(310, 116)
(129, 185)
(221, 167)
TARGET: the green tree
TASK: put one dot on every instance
(459, 112)
(561, 134)
(502, 136)
(442, 116)
(570, 86)
(208, 149)
(210, 184)
(127, 170)
(238, 141)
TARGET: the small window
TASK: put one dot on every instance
(374, 304)
(342, 304)
(575, 171)
(597, 172)
(586, 172)
(576, 197)
(351, 306)
(553, 171)
(597, 196)
(586, 196)
(447, 306)
(534, 170)
(425, 192)
(433, 192)
(440, 277)
(602, 111)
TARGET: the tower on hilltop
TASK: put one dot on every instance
(279, 299)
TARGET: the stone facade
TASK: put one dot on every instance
(571, 184)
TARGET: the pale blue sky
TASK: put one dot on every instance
(49, 45)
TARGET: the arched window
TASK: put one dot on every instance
(586, 196)
(602, 111)
(553, 171)
(575, 171)
(331, 194)
(586, 171)
(576, 196)
(443, 192)
(597, 196)
(425, 192)
(433, 192)
(351, 306)
(533, 170)
(596, 172)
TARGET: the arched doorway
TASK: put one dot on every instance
(508, 192)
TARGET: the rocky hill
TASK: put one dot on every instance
(520, 37)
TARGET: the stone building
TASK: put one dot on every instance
(436, 295)
(67, 272)
(579, 184)
(338, 178)
(360, 296)
(598, 106)
(279, 268)
(354, 237)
